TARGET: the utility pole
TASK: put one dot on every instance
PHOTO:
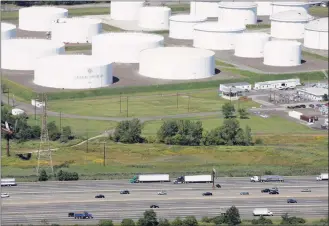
(87, 137)
(104, 157)
(120, 102)
(188, 104)
(35, 109)
(60, 121)
(127, 107)
(44, 152)
(6, 91)
(177, 100)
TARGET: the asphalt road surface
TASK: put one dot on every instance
(37, 203)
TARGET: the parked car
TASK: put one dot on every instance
(162, 193)
(207, 194)
(291, 201)
(100, 196)
(266, 190)
(306, 190)
(244, 193)
(124, 192)
(154, 206)
(274, 192)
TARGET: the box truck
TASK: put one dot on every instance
(8, 182)
(194, 179)
(322, 176)
(150, 178)
(267, 178)
(262, 212)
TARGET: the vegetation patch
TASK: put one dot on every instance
(78, 47)
(314, 55)
(223, 64)
(319, 11)
(257, 26)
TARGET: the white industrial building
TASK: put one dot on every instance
(316, 34)
(37, 18)
(21, 54)
(289, 24)
(177, 63)
(251, 45)
(239, 12)
(233, 91)
(182, 26)
(125, 10)
(295, 114)
(313, 93)
(8, 31)
(152, 17)
(204, 9)
(216, 35)
(75, 30)
(124, 47)
(283, 53)
(264, 8)
(288, 83)
(73, 72)
(281, 6)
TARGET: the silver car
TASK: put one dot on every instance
(162, 193)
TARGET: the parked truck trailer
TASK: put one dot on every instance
(267, 178)
(262, 212)
(322, 176)
(150, 178)
(194, 179)
(8, 182)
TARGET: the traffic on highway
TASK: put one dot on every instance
(86, 202)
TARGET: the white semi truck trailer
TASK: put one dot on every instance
(262, 212)
(150, 178)
(8, 182)
(194, 179)
(322, 176)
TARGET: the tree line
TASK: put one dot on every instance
(190, 133)
(34, 3)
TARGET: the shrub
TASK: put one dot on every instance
(67, 176)
(43, 175)
(105, 223)
(127, 222)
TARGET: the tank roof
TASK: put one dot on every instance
(220, 27)
(179, 52)
(284, 3)
(187, 18)
(291, 16)
(7, 26)
(318, 25)
(237, 5)
(128, 36)
(74, 60)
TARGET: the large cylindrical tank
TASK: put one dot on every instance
(177, 63)
(21, 54)
(8, 31)
(289, 24)
(75, 30)
(37, 18)
(73, 72)
(282, 53)
(182, 26)
(124, 47)
(154, 18)
(204, 9)
(238, 12)
(125, 10)
(264, 8)
(316, 34)
(281, 6)
(216, 35)
(251, 45)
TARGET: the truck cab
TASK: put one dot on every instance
(84, 215)
(322, 176)
(134, 180)
(255, 179)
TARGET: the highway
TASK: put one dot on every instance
(32, 203)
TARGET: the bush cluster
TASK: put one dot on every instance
(67, 176)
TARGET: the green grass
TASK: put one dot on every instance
(150, 104)
(319, 11)
(314, 55)
(258, 26)
(79, 127)
(223, 64)
(79, 47)
(179, 7)
(272, 125)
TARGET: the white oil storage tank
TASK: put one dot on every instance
(21, 54)
(73, 72)
(8, 31)
(124, 47)
(216, 35)
(289, 24)
(177, 63)
(281, 6)
(75, 30)
(182, 26)
(204, 9)
(282, 53)
(264, 8)
(251, 44)
(316, 34)
(39, 18)
(152, 17)
(239, 12)
(125, 10)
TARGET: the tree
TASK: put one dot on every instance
(127, 222)
(286, 220)
(247, 136)
(163, 222)
(168, 128)
(43, 175)
(228, 110)
(149, 219)
(229, 131)
(66, 134)
(105, 223)
(53, 131)
(262, 221)
(128, 132)
(177, 222)
(243, 113)
(190, 221)
(233, 216)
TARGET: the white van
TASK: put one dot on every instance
(262, 212)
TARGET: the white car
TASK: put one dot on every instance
(4, 195)
(162, 193)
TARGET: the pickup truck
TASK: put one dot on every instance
(84, 215)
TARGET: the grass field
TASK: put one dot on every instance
(319, 11)
(315, 56)
(152, 104)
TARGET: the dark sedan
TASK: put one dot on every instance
(154, 206)
(207, 194)
(100, 196)
(291, 201)
(266, 190)
(124, 192)
(274, 192)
